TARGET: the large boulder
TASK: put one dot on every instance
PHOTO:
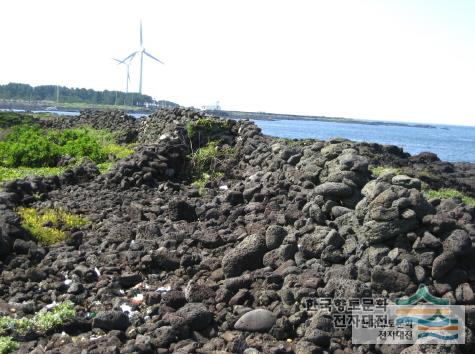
(247, 255)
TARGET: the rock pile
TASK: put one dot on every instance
(162, 268)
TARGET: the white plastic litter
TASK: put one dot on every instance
(97, 272)
(223, 188)
(163, 289)
(52, 305)
(127, 309)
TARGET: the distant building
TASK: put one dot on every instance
(215, 107)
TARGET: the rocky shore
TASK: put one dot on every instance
(164, 266)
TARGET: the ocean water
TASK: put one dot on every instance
(451, 143)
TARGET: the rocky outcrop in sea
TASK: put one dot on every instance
(166, 267)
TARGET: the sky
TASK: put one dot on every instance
(404, 60)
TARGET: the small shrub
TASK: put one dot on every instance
(28, 146)
(206, 125)
(447, 193)
(47, 225)
(41, 322)
(7, 345)
(11, 119)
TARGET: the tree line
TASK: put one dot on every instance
(17, 91)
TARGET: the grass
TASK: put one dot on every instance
(7, 345)
(10, 173)
(205, 177)
(207, 163)
(41, 322)
(379, 170)
(447, 193)
(47, 225)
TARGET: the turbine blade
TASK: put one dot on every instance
(131, 56)
(128, 76)
(117, 60)
(151, 56)
(141, 41)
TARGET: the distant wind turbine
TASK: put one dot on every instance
(127, 64)
(142, 51)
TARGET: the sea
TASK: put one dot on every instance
(450, 142)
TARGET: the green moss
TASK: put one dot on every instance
(7, 173)
(7, 345)
(117, 151)
(104, 167)
(41, 322)
(379, 170)
(47, 225)
(447, 193)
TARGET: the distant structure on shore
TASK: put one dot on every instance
(142, 51)
(215, 107)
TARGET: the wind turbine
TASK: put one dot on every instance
(142, 51)
(127, 64)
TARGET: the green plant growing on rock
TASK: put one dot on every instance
(376, 171)
(7, 174)
(47, 225)
(447, 193)
(41, 322)
(207, 163)
(33, 151)
(11, 119)
(206, 126)
(7, 345)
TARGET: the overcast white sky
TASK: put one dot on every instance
(405, 60)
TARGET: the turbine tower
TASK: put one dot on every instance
(142, 51)
(127, 64)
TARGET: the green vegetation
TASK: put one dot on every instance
(52, 93)
(7, 174)
(41, 322)
(10, 119)
(7, 345)
(206, 126)
(47, 225)
(379, 170)
(30, 150)
(447, 193)
(207, 163)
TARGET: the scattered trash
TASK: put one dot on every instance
(68, 281)
(127, 309)
(137, 299)
(223, 188)
(163, 289)
(97, 272)
(52, 305)
(121, 291)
